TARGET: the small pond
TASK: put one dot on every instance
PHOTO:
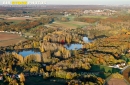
(87, 40)
(27, 52)
(73, 46)
(77, 46)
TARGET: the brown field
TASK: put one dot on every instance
(21, 18)
(9, 39)
(7, 36)
(17, 18)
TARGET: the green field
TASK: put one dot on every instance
(91, 16)
(70, 24)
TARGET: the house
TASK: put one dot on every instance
(2, 31)
(117, 66)
(30, 36)
(6, 73)
(1, 77)
(123, 64)
(20, 33)
(27, 16)
(62, 42)
(128, 51)
(13, 76)
(18, 76)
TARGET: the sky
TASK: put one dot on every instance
(77, 2)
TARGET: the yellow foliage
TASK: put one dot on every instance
(34, 69)
(128, 63)
(128, 33)
(117, 75)
(68, 75)
(22, 78)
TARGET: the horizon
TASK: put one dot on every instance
(73, 2)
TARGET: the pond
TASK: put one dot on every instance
(27, 52)
(87, 40)
(77, 46)
(73, 46)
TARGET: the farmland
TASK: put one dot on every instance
(9, 39)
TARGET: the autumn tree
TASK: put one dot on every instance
(22, 78)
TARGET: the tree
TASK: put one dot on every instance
(22, 78)
(68, 75)
(41, 71)
(14, 82)
(34, 69)
(48, 68)
(45, 75)
(41, 48)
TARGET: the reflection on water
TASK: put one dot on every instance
(77, 46)
(73, 46)
(86, 40)
(25, 53)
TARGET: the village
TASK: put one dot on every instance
(106, 12)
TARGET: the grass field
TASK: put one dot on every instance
(9, 39)
(94, 16)
(21, 18)
(16, 19)
(70, 24)
(71, 17)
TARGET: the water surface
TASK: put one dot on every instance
(86, 40)
(73, 46)
(77, 46)
(25, 53)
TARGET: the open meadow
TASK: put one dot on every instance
(67, 25)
